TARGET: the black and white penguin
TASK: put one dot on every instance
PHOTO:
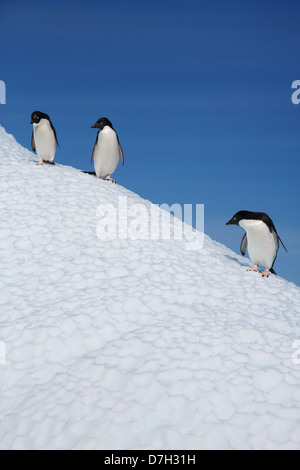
(44, 139)
(107, 150)
(261, 238)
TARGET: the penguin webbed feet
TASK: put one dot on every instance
(254, 268)
(107, 178)
(48, 162)
(265, 273)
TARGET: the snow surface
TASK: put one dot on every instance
(133, 343)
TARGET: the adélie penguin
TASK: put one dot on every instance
(44, 138)
(107, 149)
(261, 238)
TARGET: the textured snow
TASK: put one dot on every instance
(133, 343)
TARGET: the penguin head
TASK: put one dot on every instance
(241, 215)
(101, 123)
(37, 116)
(247, 219)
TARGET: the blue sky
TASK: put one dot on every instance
(199, 92)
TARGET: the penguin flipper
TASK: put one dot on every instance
(33, 142)
(281, 242)
(273, 272)
(54, 132)
(120, 150)
(94, 147)
(244, 244)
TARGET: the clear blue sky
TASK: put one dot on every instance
(199, 92)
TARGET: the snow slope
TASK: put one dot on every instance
(133, 343)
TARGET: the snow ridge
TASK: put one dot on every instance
(138, 344)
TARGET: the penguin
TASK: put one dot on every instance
(107, 150)
(261, 238)
(44, 138)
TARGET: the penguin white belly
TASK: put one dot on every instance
(44, 139)
(262, 244)
(106, 153)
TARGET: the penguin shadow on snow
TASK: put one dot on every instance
(232, 258)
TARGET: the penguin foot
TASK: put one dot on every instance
(108, 178)
(254, 268)
(40, 163)
(265, 273)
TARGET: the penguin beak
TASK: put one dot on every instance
(232, 222)
(93, 126)
(31, 122)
